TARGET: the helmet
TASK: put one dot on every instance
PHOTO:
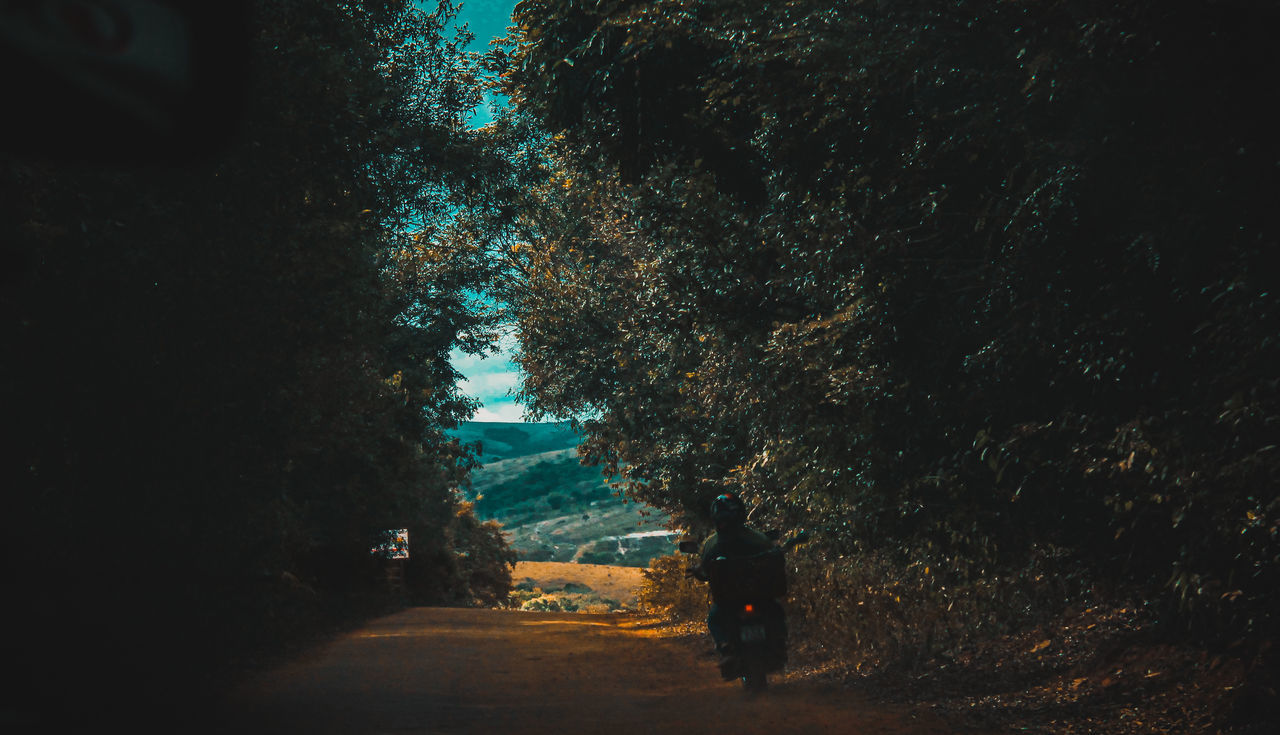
(728, 510)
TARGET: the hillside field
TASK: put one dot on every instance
(552, 507)
(551, 586)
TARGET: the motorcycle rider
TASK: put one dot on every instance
(732, 538)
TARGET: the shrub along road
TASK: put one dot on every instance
(450, 670)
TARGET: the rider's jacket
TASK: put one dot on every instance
(733, 541)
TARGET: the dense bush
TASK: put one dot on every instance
(983, 289)
(476, 568)
(666, 590)
(878, 612)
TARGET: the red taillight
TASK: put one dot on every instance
(749, 609)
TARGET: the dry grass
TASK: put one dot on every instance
(607, 582)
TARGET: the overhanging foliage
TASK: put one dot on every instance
(959, 282)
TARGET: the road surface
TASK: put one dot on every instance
(448, 670)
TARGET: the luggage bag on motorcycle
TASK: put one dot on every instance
(742, 579)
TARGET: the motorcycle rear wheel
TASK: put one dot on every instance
(755, 681)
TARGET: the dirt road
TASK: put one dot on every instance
(443, 670)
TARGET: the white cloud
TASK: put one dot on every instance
(490, 379)
(509, 412)
(472, 364)
(486, 386)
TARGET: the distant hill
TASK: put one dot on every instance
(507, 440)
(552, 507)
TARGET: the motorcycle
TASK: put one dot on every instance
(747, 590)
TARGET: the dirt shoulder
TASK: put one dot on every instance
(1100, 669)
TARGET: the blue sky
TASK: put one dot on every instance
(493, 379)
(487, 19)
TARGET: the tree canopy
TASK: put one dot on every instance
(226, 374)
(963, 285)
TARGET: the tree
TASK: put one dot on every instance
(230, 374)
(955, 283)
